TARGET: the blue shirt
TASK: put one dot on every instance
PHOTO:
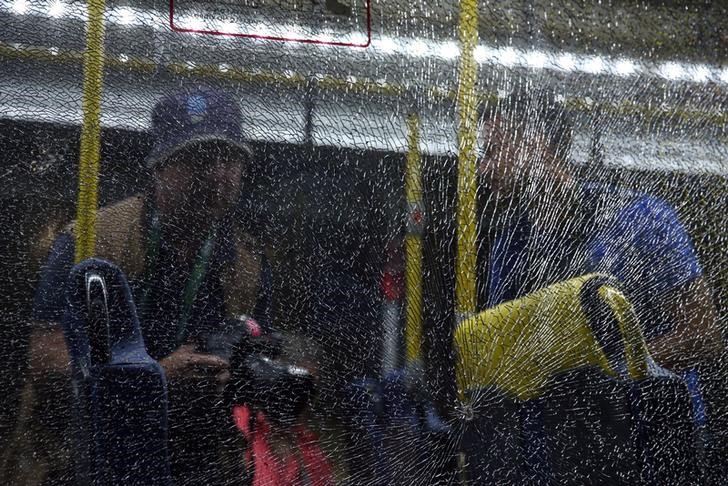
(636, 238)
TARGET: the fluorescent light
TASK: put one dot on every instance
(724, 75)
(566, 62)
(124, 15)
(294, 30)
(506, 56)
(262, 30)
(700, 73)
(20, 6)
(56, 9)
(195, 23)
(593, 65)
(625, 67)
(448, 50)
(536, 59)
(385, 44)
(483, 53)
(672, 70)
(357, 38)
(226, 27)
(417, 48)
(326, 37)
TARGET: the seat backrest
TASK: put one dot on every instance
(121, 393)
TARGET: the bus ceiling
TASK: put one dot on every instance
(409, 64)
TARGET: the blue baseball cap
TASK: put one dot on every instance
(199, 114)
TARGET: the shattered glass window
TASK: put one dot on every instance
(358, 242)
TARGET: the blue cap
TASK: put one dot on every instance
(199, 114)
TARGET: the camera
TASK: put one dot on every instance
(259, 376)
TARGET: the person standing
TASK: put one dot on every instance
(192, 268)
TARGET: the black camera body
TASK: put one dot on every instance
(259, 377)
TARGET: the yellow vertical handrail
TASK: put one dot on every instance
(413, 243)
(88, 176)
(465, 265)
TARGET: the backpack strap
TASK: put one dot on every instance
(611, 318)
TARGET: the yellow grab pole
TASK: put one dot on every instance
(88, 176)
(465, 296)
(413, 243)
(465, 261)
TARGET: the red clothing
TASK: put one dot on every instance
(272, 471)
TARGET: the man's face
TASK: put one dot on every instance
(500, 164)
(200, 185)
(507, 161)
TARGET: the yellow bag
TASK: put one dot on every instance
(519, 345)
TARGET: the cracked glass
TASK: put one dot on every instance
(358, 242)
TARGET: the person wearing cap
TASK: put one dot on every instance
(190, 264)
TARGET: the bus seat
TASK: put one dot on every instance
(120, 392)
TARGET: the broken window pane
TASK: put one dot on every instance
(357, 242)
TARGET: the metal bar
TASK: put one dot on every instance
(413, 243)
(467, 101)
(88, 178)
